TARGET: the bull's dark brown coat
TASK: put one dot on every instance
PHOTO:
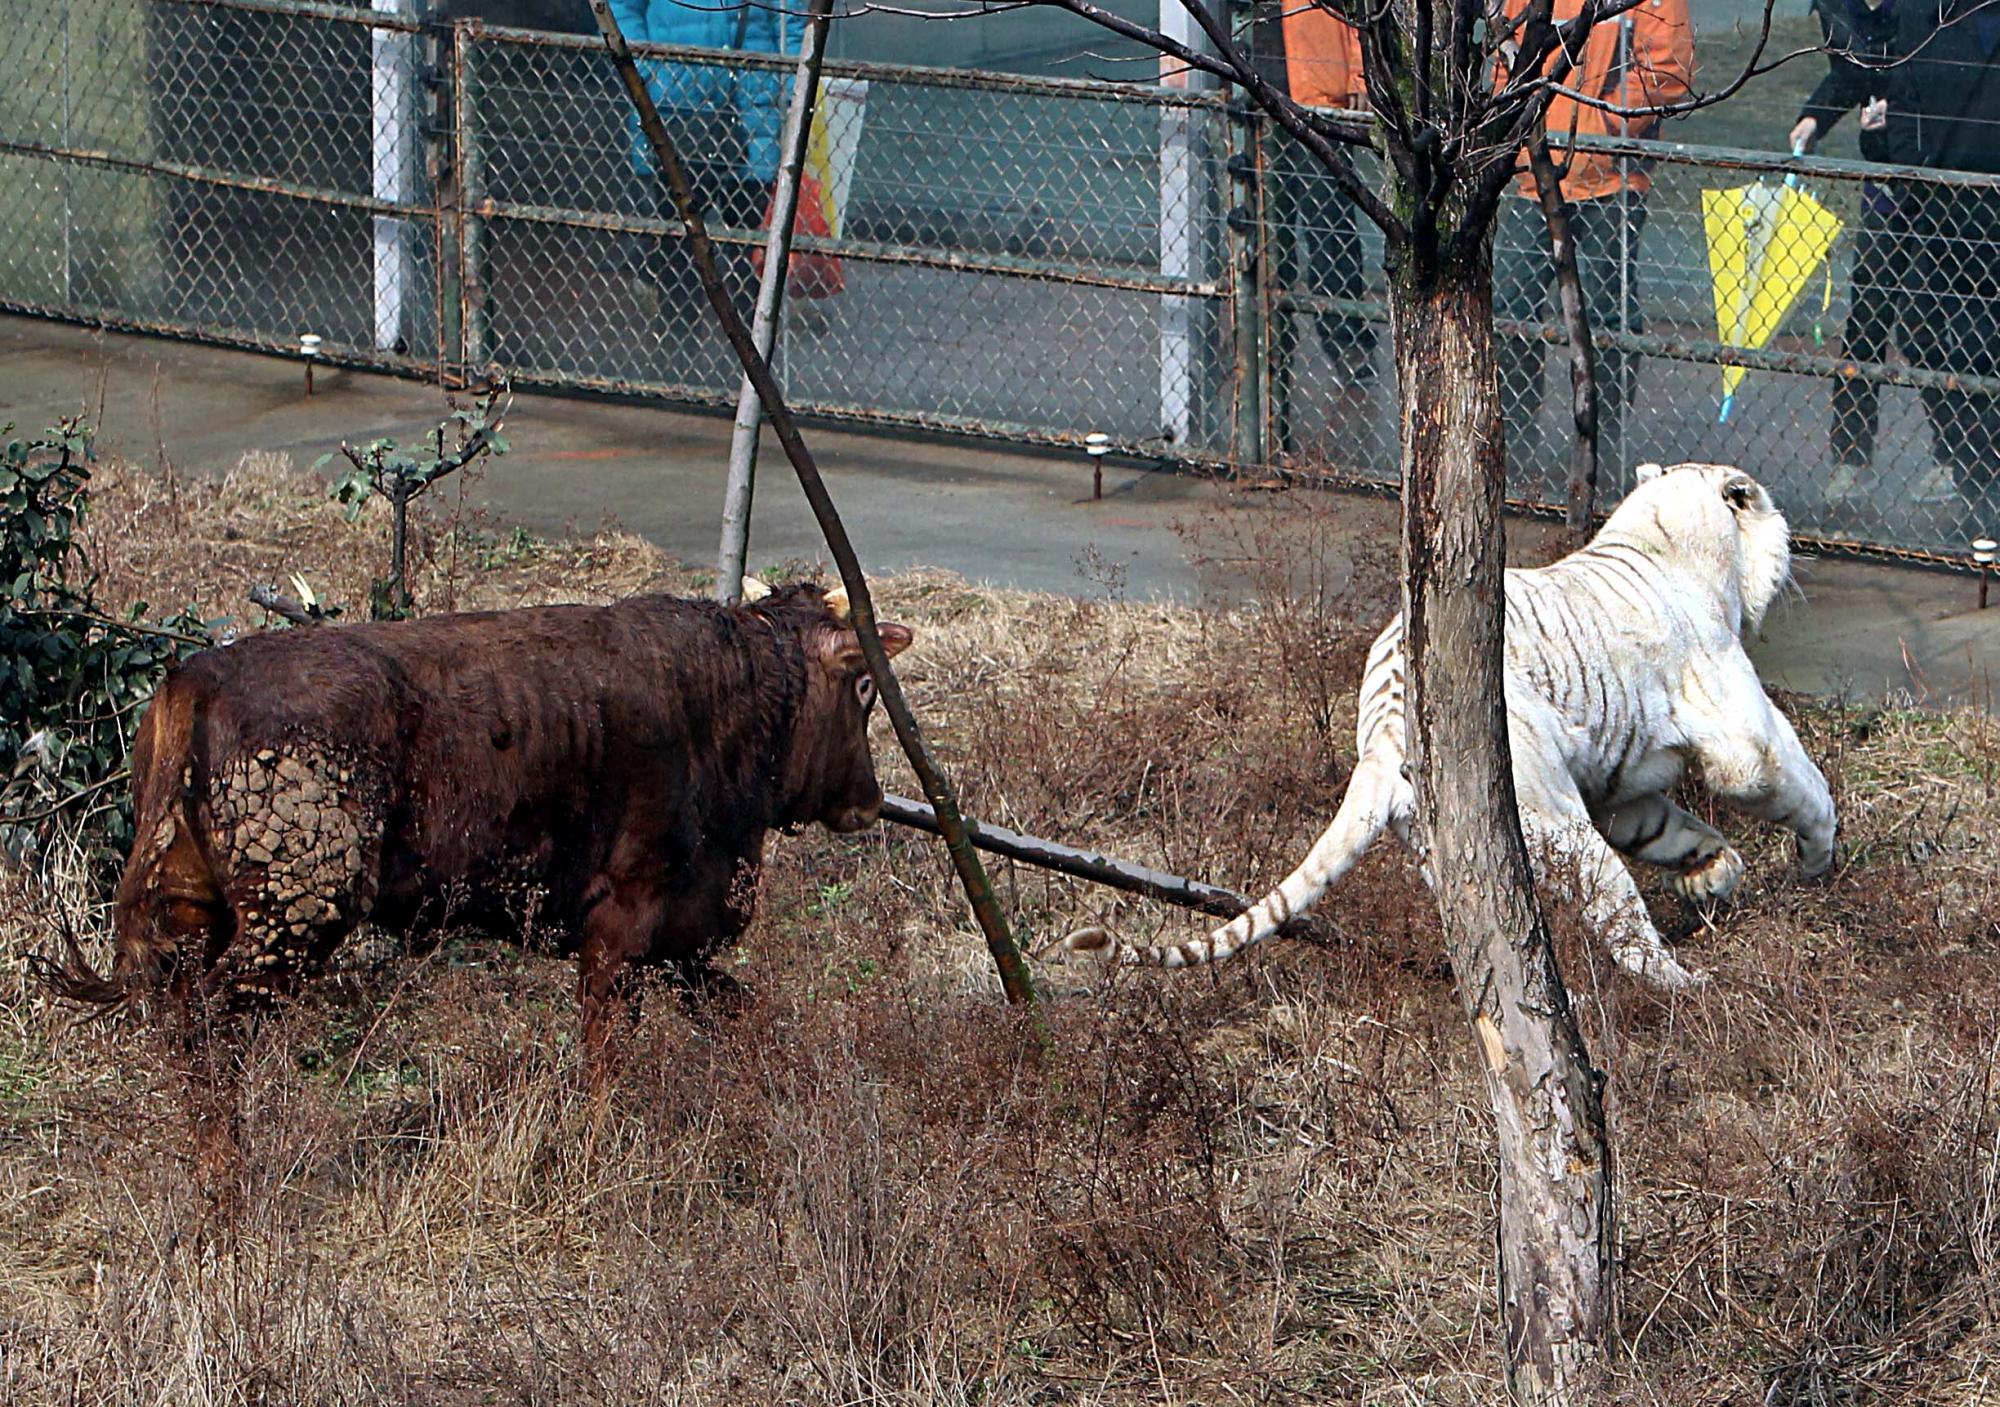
(622, 762)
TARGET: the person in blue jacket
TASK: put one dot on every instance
(725, 120)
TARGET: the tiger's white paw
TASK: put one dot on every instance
(1816, 855)
(1660, 968)
(1712, 881)
(1096, 944)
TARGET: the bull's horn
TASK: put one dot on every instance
(754, 590)
(836, 601)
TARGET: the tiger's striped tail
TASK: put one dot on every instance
(1377, 797)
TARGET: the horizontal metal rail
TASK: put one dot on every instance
(1701, 351)
(911, 75)
(1155, 451)
(338, 354)
(316, 10)
(212, 176)
(1652, 149)
(1840, 169)
(1128, 279)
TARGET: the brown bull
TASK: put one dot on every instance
(622, 764)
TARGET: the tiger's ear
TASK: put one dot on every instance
(1740, 492)
(1646, 473)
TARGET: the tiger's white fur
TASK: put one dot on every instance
(1624, 663)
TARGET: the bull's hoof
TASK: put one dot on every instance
(1817, 861)
(1711, 882)
(1659, 968)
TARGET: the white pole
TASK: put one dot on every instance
(1181, 241)
(394, 153)
(740, 489)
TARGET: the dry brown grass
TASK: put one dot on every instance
(1264, 1183)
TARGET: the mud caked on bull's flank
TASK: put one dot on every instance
(622, 763)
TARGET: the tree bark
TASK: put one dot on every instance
(1555, 1221)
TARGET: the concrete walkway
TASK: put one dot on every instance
(1016, 519)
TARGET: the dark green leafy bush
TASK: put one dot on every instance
(73, 678)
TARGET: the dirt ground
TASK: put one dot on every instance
(1267, 1182)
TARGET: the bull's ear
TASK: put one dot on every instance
(842, 648)
(1646, 473)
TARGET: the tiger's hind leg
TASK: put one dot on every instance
(1564, 848)
(1705, 868)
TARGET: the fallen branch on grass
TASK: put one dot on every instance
(1098, 869)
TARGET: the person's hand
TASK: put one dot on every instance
(1875, 116)
(1805, 133)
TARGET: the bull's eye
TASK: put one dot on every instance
(864, 690)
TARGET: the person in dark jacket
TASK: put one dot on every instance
(1952, 76)
(1863, 45)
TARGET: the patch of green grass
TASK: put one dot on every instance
(491, 552)
(22, 1076)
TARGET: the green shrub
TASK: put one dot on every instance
(73, 678)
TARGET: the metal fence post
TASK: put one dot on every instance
(439, 76)
(395, 142)
(470, 185)
(1249, 443)
(1183, 239)
(1622, 461)
(68, 206)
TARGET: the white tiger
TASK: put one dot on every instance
(1624, 662)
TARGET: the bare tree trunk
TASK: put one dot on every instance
(1554, 1214)
(1582, 354)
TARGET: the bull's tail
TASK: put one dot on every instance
(70, 976)
(1377, 797)
(168, 870)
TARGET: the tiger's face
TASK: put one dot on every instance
(1719, 522)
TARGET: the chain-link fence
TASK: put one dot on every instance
(246, 171)
(1831, 326)
(1026, 258)
(1000, 240)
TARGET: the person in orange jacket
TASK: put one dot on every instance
(1315, 243)
(1643, 58)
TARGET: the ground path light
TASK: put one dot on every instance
(1097, 444)
(309, 349)
(1983, 550)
